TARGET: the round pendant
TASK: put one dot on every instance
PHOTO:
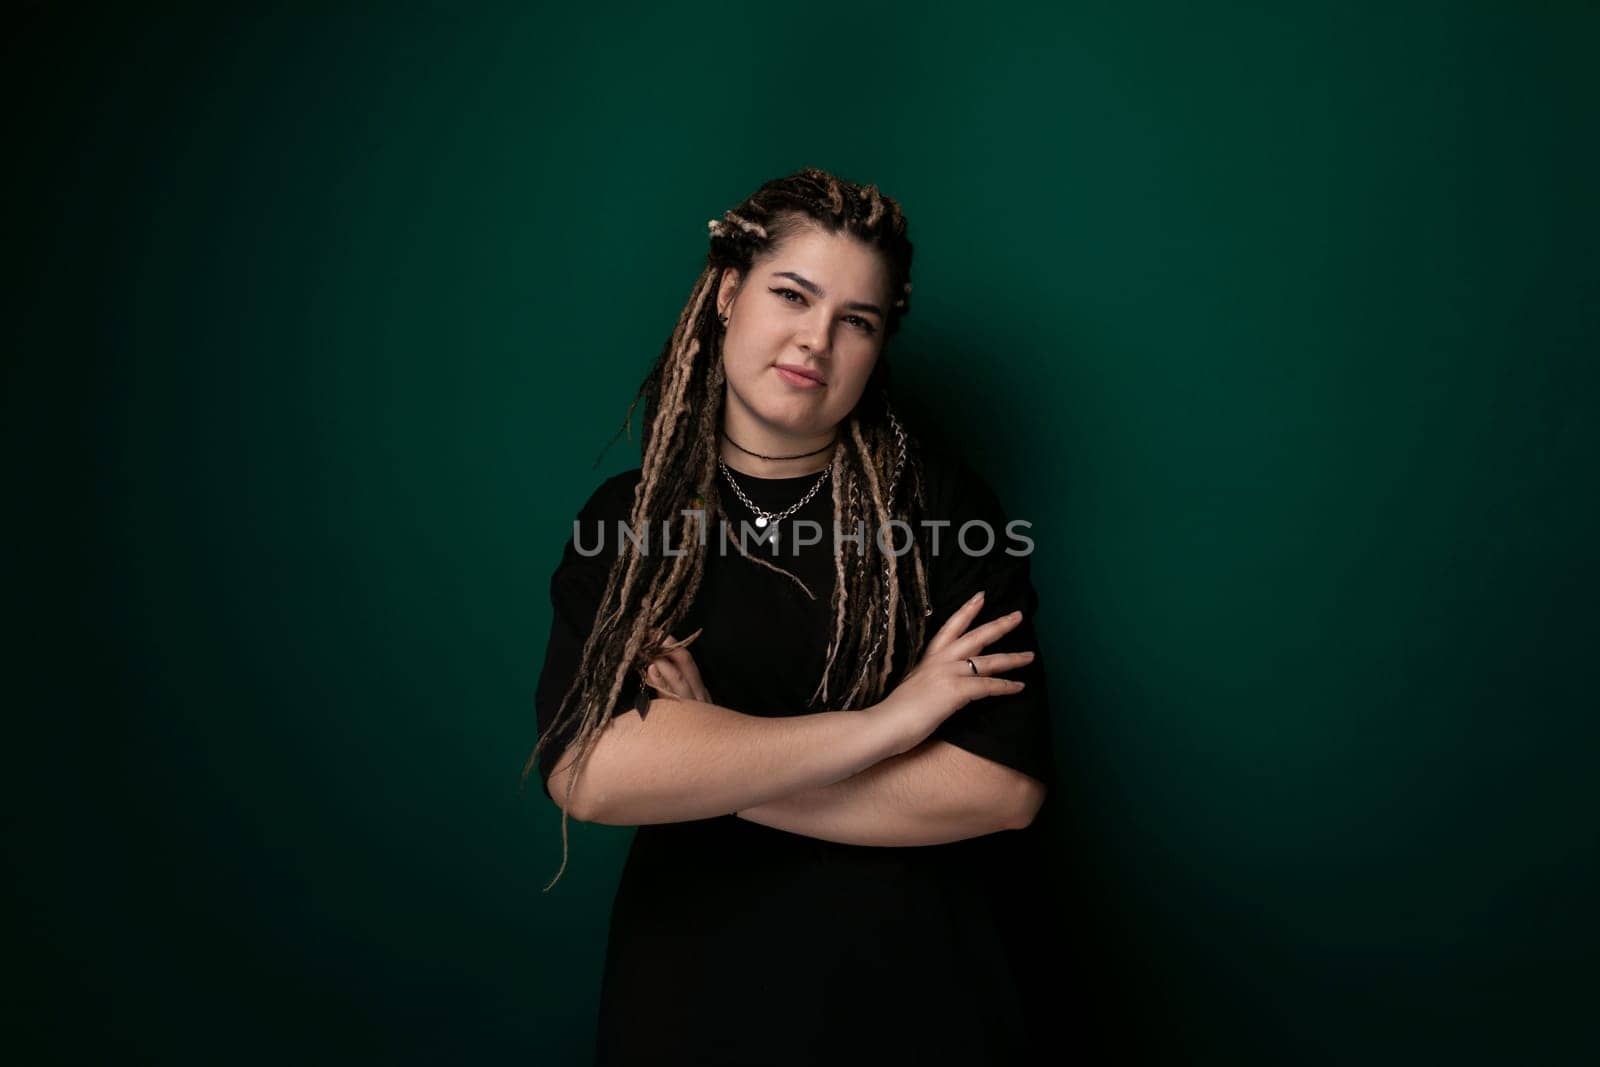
(761, 521)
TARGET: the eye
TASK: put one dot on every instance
(857, 321)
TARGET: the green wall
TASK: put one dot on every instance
(1278, 322)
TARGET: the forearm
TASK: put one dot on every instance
(688, 759)
(930, 795)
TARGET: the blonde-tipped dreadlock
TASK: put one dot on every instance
(876, 476)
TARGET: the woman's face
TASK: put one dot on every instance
(816, 304)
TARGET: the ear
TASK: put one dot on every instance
(731, 279)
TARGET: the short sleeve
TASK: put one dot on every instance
(1013, 728)
(576, 586)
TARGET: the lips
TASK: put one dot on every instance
(801, 372)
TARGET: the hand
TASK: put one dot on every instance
(674, 673)
(942, 682)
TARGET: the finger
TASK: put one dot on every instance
(975, 641)
(691, 673)
(685, 666)
(996, 662)
(681, 659)
(665, 677)
(672, 674)
(993, 687)
(955, 625)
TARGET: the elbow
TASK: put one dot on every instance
(571, 810)
(594, 804)
(588, 798)
(586, 810)
(559, 788)
(1029, 800)
(581, 812)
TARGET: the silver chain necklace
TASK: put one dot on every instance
(764, 518)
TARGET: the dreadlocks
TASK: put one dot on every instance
(876, 476)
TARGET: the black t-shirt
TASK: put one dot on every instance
(733, 942)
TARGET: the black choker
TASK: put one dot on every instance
(758, 455)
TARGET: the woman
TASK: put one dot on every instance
(875, 687)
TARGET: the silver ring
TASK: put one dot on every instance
(973, 665)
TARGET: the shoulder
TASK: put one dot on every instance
(593, 536)
(973, 542)
(593, 540)
(612, 498)
(954, 489)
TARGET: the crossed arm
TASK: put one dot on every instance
(934, 793)
(929, 795)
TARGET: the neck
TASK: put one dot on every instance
(776, 444)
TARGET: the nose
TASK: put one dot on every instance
(815, 330)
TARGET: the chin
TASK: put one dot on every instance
(795, 414)
(808, 427)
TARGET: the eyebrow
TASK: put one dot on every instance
(817, 290)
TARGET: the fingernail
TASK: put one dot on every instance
(976, 597)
